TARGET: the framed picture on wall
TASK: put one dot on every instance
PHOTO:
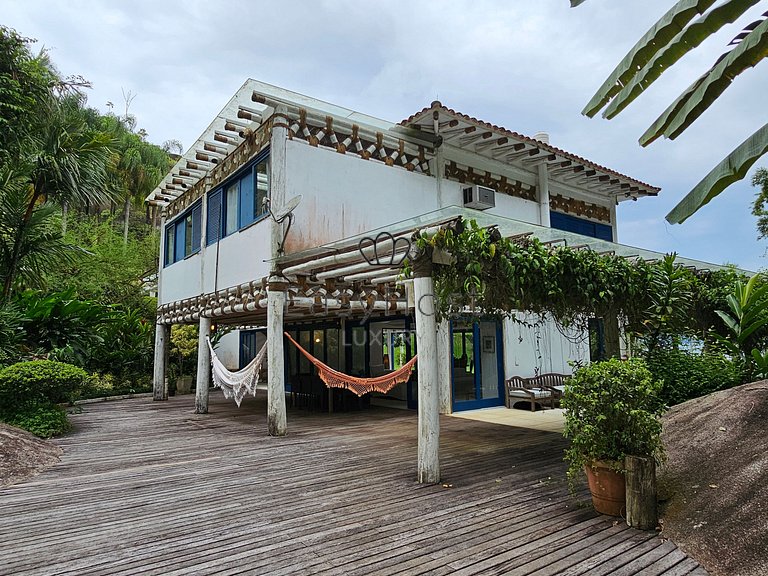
(489, 344)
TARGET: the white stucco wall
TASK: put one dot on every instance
(242, 256)
(344, 196)
(181, 279)
(540, 349)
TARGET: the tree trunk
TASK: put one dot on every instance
(127, 219)
(642, 512)
(64, 210)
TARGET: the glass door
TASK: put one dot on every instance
(476, 365)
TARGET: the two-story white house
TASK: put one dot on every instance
(269, 222)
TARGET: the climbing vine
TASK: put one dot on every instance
(477, 269)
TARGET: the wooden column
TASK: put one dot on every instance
(203, 367)
(277, 177)
(276, 417)
(642, 512)
(444, 361)
(428, 470)
(162, 337)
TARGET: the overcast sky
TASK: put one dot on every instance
(529, 66)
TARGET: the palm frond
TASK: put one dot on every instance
(656, 38)
(702, 93)
(690, 38)
(731, 169)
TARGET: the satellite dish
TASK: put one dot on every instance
(282, 213)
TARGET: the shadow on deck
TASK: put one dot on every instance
(150, 488)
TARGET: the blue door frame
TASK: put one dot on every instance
(479, 402)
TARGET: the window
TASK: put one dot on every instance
(239, 202)
(183, 235)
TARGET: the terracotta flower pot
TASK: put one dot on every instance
(608, 488)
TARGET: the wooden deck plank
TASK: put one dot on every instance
(213, 494)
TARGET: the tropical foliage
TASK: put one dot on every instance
(681, 29)
(75, 278)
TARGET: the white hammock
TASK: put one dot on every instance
(236, 384)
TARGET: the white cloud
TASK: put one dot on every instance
(527, 66)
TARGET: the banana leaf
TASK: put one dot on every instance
(683, 43)
(731, 169)
(702, 93)
(659, 35)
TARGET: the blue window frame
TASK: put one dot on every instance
(183, 235)
(580, 226)
(239, 201)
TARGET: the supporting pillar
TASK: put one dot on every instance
(543, 195)
(543, 184)
(203, 367)
(428, 470)
(162, 337)
(444, 361)
(276, 417)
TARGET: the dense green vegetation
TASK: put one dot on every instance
(683, 322)
(76, 266)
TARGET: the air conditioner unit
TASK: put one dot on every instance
(479, 197)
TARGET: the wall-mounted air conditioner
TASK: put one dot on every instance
(479, 197)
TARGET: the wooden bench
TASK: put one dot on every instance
(536, 389)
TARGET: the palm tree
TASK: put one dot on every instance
(681, 29)
(55, 157)
(138, 165)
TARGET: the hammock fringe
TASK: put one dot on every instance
(235, 385)
(360, 386)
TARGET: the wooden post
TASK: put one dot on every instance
(162, 336)
(276, 416)
(428, 470)
(642, 512)
(444, 360)
(203, 367)
(277, 176)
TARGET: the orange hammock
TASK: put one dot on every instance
(335, 379)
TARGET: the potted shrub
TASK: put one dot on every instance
(184, 356)
(612, 411)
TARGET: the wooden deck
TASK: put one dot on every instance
(150, 488)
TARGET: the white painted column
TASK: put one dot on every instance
(276, 416)
(203, 367)
(162, 336)
(428, 470)
(614, 222)
(277, 178)
(543, 182)
(444, 360)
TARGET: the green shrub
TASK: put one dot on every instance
(39, 382)
(688, 375)
(41, 420)
(612, 410)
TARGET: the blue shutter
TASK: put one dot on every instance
(247, 213)
(580, 226)
(180, 239)
(197, 217)
(213, 224)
